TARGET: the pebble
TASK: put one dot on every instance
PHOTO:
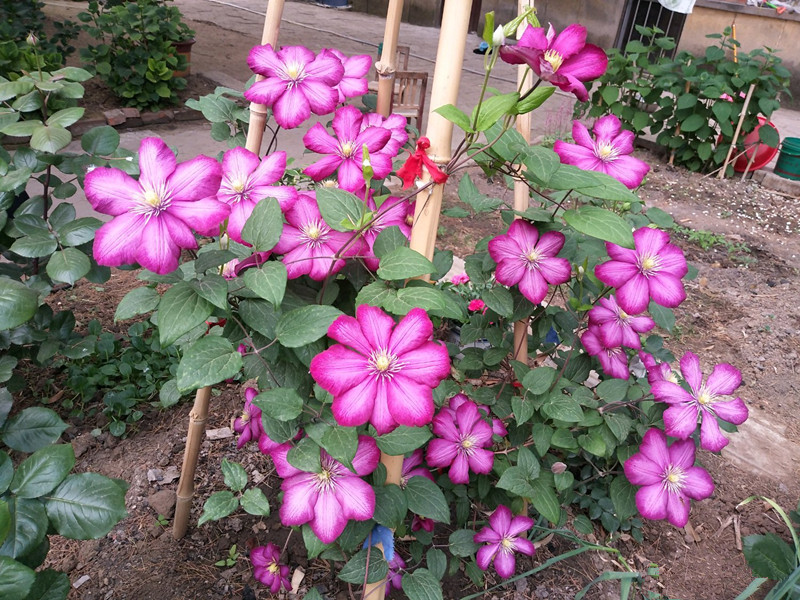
(163, 502)
(80, 581)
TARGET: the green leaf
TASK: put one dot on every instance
(403, 440)
(5, 519)
(49, 585)
(6, 472)
(538, 380)
(281, 404)
(209, 360)
(686, 101)
(32, 429)
(356, 569)
(534, 100)
(528, 462)
(341, 443)
(499, 299)
(563, 408)
(28, 526)
(66, 116)
(492, 109)
(18, 303)
(304, 325)
(50, 138)
(268, 282)
(768, 136)
(619, 424)
(600, 223)
(768, 556)
(388, 240)
(340, 209)
(41, 472)
(516, 480)
(22, 128)
(623, 495)
(181, 309)
(212, 287)
(612, 390)
(422, 585)
(427, 500)
(254, 502)
(79, 231)
(583, 525)
(234, 475)
(692, 123)
(390, 506)
(314, 546)
(664, 317)
(35, 246)
(218, 506)
(68, 265)
(138, 301)
(86, 506)
(169, 395)
(16, 579)
(541, 164)
(305, 456)
(593, 443)
(15, 179)
(469, 194)
(545, 501)
(404, 263)
(264, 226)
(437, 562)
(102, 141)
(426, 297)
(455, 116)
(212, 259)
(462, 543)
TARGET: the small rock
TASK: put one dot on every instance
(81, 444)
(88, 551)
(155, 475)
(228, 573)
(235, 523)
(81, 580)
(163, 502)
(114, 117)
(219, 434)
(68, 564)
(171, 474)
(155, 530)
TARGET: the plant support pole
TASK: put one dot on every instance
(387, 65)
(521, 194)
(199, 414)
(724, 168)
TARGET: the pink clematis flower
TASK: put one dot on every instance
(616, 327)
(652, 270)
(609, 153)
(462, 442)
(613, 359)
(309, 246)
(296, 83)
(396, 124)
(154, 217)
(498, 428)
(425, 523)
(354, 82)
(268, 569)
(524, 257)
(566, 61)
(380, 372)
(345, 151)
(246, 180)
(704, 401)
(503, 537)
(413, 467)
(394, 579)
(657, 371)
(328, 499)
(248, 425)
(668, 478)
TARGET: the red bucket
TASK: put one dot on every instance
(763, 153)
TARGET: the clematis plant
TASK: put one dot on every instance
(360, 350)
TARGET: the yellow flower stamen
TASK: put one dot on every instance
(554, 58)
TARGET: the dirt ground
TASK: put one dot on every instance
(742, 308)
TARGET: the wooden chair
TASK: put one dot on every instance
(410, 88)
(401, 64)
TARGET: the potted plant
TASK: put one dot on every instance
(143, 50)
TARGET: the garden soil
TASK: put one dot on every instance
(742, 308)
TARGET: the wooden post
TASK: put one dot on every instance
(387, 65)
(521, 193)
(735, 139)
(199, 414)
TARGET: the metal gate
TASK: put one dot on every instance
(648, 13)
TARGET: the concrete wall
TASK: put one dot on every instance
(416, 12)
(755, 28)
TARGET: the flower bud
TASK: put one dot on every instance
(558, 468)
(499, 38)
(32, 40)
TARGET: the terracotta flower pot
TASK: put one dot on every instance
(184, 48)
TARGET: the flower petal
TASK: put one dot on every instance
(724, 380)
(111, 191)
(338, 369)
(485, 555)
(441, 452)
(532, 285)
(299, 498)
(711, 437)
(156, 163)
(410, 403)
(640, 470)
(678, 509)
(481, 460)
(654, 447)
(505, 563)
(367, 456)
(329, 517)
(733, 411)
(510, 271)
(356, 497)
(634, 295)
(651, 500)
(291, 109)
(157, 251)
(698, 484)
(204, 215)
(616, 273)
(666, 290)
(680, 420)
(317, 139)
(690, 369)
(117, 242)
(628, 170)
(354, 407)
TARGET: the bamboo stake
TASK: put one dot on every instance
(199, 413)
(738, 130)
(387, 65)
(521, 194)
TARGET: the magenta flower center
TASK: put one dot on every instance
(467, 445)
(314, 233)
(326, 478)
(245, 416)
(704, 397)
(606, 152)
(383, 364)
(273, 568)
(649, 264)
(532, 258)
(674, 478)
(554, 58)
(348, 149)
(507, 544)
